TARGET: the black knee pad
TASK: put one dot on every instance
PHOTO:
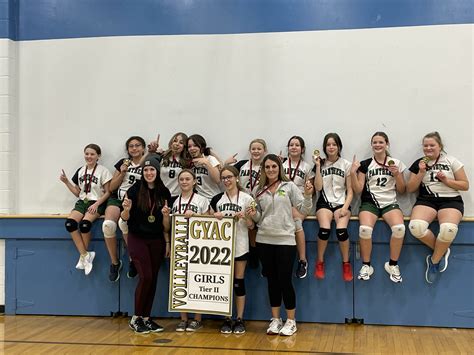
(239, 287)
(342, 234)
(324, 233)
(85, 226)
(71, 225)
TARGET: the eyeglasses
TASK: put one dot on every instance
(228, 177)
(134, 145)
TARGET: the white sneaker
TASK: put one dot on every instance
(275, 326)
(365, 272)
(88, 259)
(394, 272)
(80, 263)
(289, 328)
(443, 264)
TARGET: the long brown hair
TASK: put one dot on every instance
(160, 192)
(184, 158)
(263, 175)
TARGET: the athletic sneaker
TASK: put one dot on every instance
(239, 326)
(138, 326)
(275, 326)
(319, 270)
(153, 326)
(80, 263)
(193, 326)
(227, 326)
(114, 273)
(132, 270)
(302, 269)
(182, 325)
(365, 272)
(443, 263)
(289, 328)
(394, 272)
(432, 270)
(88, 259)
(347, 271)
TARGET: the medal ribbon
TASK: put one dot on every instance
(87, 185)
(152, 207)
(267, 188)
(253, 182)
(292, 178)
(187, 205)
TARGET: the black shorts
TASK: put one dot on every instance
(244, 257)
(439, 203)
(323, 204)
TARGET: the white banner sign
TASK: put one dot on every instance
(202, 265)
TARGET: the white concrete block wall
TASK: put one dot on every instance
(8, 115)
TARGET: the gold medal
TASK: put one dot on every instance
(390, 163)
(127, 162)
(86, 200)
(253, 205)
(425, 160)
(151, 219)
(316, 153)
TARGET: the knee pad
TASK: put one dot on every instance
(342, 234)
(123, 226)
(239, 287)
(418, 228)
(447, 232)
(85, 226)
(365, 232)
(109, 227)
(324, 233)
(398, 231)
(298, 225)
(71, 225)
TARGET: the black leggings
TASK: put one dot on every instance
(277, 262)
(147, 255)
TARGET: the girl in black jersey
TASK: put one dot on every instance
(379, 179)
(438, 178)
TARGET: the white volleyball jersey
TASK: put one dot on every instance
(430, 185)
(133, 174)
(249, 174)
(205, 185)
(298, 172)
(195, 203)
(169, 172)
(379, 188)
(222, 203)
(334, 176)
(95, 182)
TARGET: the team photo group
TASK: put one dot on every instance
(267, 197)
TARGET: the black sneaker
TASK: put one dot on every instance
(114, 273)
(152, 326)
(302, 269)
(132, 271)
(227, 326)
(138, 326)
(239, 326)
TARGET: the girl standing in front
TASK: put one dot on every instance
(333, 181)
(298, 171)
(379, 179)
(234, 202)
(91, 185)
(276, 196)
(438, 178)
(145, 209)
(188, 203)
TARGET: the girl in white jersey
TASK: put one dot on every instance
(91, 185)
(249, 177)
(235, 202)
(127, 172)
(298, 171)
(173, 161)
(205, 167)
(334, 183)
(379, 179)
(188, 203)
(438, 178)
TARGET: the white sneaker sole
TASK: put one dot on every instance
(445, 257)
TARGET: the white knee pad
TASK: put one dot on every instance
(398, 231)
(418, 228)
(365, 232)
(298, 225)
(123, 226)
(447, 232)
(109, 227)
